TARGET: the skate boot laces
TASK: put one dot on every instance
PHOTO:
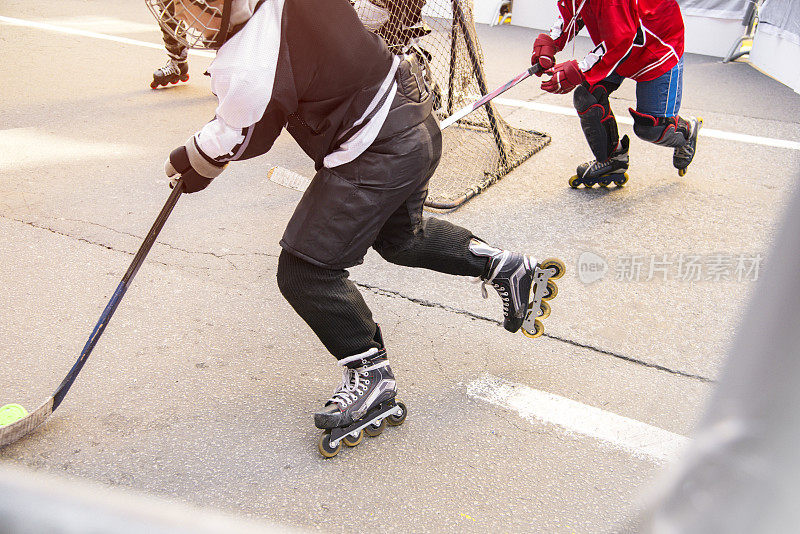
(601, 167)
(170, 68)
(504, 285)
(501, 290)
(355, 382)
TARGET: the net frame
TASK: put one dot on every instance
(481, 148)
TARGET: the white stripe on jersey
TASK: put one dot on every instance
(356, 145)
(659, 62)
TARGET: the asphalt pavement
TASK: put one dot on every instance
(202, 387)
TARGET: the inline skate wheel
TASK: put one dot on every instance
(375, 430)
(574, 182)
(622, 180)
(554, 263)
(681, 172)
(538, 329)
(551, 292)
(396, 420)
(350, 441)
(325, 448)
(544, 311)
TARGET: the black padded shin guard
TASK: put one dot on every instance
(597, 120)
(329, 303)
(437, 245)
(664, 131)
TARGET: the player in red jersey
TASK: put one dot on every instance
(637, 39)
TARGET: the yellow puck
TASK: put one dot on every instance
(11, 413)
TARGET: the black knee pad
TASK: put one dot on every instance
(597, 120)
(664, 131)
(291, 272)
(437, 245)
(329, 303)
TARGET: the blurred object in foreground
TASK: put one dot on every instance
(33, 503)
(741, 475)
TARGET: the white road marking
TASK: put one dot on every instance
(704, 132)
(27, 147)
(546, 108)
(95, 35)
(104, 25)
(637, 438)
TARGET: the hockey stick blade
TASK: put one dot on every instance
(466, 110)
(287, 178)
(26, 425)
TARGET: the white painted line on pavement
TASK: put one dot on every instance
(704, 132)
(634, 436)
(94, 35)
(103, 25)
(546, 108)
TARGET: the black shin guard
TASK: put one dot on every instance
(664, 131)
(330, 304)
(437, 245)
(597, 120)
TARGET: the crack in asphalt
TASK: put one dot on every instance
(378, 291)
(474, 316)
(225, 256)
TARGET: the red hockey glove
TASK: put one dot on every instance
(544, 52)
(565, 77)
(182, 162)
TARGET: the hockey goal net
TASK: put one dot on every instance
(481, 148)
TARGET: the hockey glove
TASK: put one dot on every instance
(544, 52)
(188, 163)
(564, 78)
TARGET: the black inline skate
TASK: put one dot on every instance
(604, 173)
(683, 155)
(171, 73)
(364, 402)
(524, 286)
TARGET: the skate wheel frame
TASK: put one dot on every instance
(538, 329)
(393, 413)
(544, 311)
(617, 179)
(554, 263)
(544, 289)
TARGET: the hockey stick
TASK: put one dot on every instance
(298, 182)
(16, 430)
(466, 110)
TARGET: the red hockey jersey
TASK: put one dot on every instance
(638, 39)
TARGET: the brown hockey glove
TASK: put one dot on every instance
(188, 163)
